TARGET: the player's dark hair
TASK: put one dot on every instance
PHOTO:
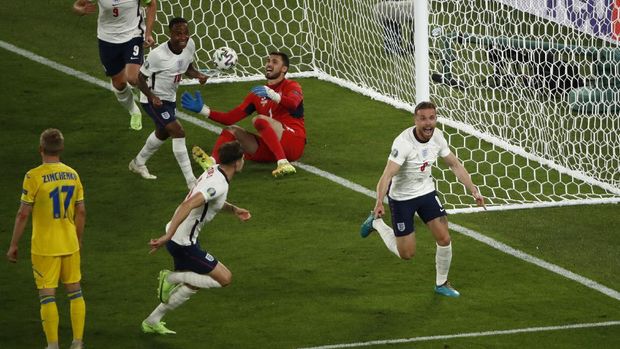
(424, 105)
(175, 21)
(52, 141)
(230, 152)
(282, 55)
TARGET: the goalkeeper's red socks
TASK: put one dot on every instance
(225, 137)
(270, 137)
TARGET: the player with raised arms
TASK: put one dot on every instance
(407, 177)
(158, 81)
(123, 32)
(280, 121)
(195, 268)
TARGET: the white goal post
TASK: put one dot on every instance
(528, 91)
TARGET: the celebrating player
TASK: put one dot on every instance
(280, 121)
(195, 268)
(122, 35)
(158, 81)
(412, 189)
(53, 193)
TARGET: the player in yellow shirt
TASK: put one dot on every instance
(54, 195)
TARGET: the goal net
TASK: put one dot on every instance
(528, 91)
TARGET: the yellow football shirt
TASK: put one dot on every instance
(53, 189)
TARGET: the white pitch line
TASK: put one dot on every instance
(465, 335)
(339, 180)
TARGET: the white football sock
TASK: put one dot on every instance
(125, 98)
(387, 234)
(180, 153)
(443, 258)
(194, 279)
(178, 297)
(150, 147)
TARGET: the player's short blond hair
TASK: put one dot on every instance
(52, 141)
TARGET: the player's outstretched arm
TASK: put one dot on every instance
(144, 87)
(195, 74)
(195, 103)
(196, 200)
(390, 170)
(151, 13)
(84, 7)
(463, 176)
(241, 213)
(266, 92)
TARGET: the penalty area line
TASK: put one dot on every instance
(338, 180)
(467, 335)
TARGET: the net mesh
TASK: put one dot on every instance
(528, 91)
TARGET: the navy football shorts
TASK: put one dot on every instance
(191, 258)
(114, 57)
(427, 206)
(161, 116)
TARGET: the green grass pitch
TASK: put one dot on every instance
(302, 277)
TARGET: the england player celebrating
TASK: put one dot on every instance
(280, 121)
(412, 189)
(158, 81)
(195, 268)
(122, 34)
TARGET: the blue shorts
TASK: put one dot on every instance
(427, 206)
(114, 57)
(191, 258)
(161, 116)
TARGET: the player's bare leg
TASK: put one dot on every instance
(271, 131)
(121, 85)
(406, 246)
(187, 284)
(443, 256)
(245, 138)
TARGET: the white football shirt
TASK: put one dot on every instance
(213, 185)
(416, 160)
(164, 70)
(119, 20)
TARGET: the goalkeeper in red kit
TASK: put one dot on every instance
(281, 134)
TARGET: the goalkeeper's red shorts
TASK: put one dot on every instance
(292, 144)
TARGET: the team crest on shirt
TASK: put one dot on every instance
(146, 65)
(165, 115)
(424, 153)
(263, 101)
(394, 152)
(211, 192)
(400, 226)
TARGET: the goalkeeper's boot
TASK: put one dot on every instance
(136, 121)
(165, 288)
(284, 168)
(158, 328)
(447, 290)
(367, 227)
(141, 170)
(202, 158)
